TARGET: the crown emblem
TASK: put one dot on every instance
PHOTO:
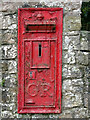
(40, 16)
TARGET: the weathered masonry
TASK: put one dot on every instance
(35, 39)
(39, 60)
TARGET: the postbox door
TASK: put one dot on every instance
(40, 76)
(39, 60)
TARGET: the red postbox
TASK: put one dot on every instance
(39, 60)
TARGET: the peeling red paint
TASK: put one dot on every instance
(39, 60)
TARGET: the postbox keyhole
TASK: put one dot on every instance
(40, 50)
(30, 74)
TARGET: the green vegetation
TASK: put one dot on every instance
(2, 83)
(85, 16)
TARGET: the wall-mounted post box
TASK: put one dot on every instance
(39, 60)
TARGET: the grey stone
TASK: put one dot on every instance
(67, 5)
(0, 37)
(13, 26)
(9, 51)
(10, 80)
(9, 107)
(22, 116)
(84, 45)
(9, 95)
(6, 21)
(4, 66)
(5, 96)
(4, 24)
(75, 113)
(66, 114)
(11, 7)
(72, 23)
(71, 71)
(71, 33)
(9, 66)
(84, 34)
(0, 21)
(12, 66)
(81, 113)
(72, 93)
(0, 76)
(75, 71)
(71, 43)
(86, 98)
(86, 78)
(6, 114)
(0, 52)
(82, 57)
(39, 116)
(8, 37)
(87, 71)
(69, 57)
(84, 40)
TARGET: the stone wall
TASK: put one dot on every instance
(75, 63)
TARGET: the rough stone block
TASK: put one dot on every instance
(9, 66)
(71, 33)
(0, 76)
(9, 95)
(9, 22)
(84, 34)
(6, 114)
(71, 71)
(10, 7)
(9, 107)
(9, 37)
(71, 43)
(84, 44)
(0, 37)
(10, 80)
(9, 51)
(12, 66)
(4, 66)
(72, 100)
(6, 21)
(86, 79)
(73, 7)
(0, 21)
(82, 57)
(69, 85)
(75, 113)
(72, 23)
(72, 93)
(86, 98)
(80, 113)
(39, 116)
(69, 57)
(13, 26)
(66, 114)
(84, 40)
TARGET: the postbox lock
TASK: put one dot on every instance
(32, 75)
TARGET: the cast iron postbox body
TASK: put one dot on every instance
(39, 60)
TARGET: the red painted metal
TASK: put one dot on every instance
(39, 60)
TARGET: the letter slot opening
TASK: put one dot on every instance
(39, 47)
(40, 26)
